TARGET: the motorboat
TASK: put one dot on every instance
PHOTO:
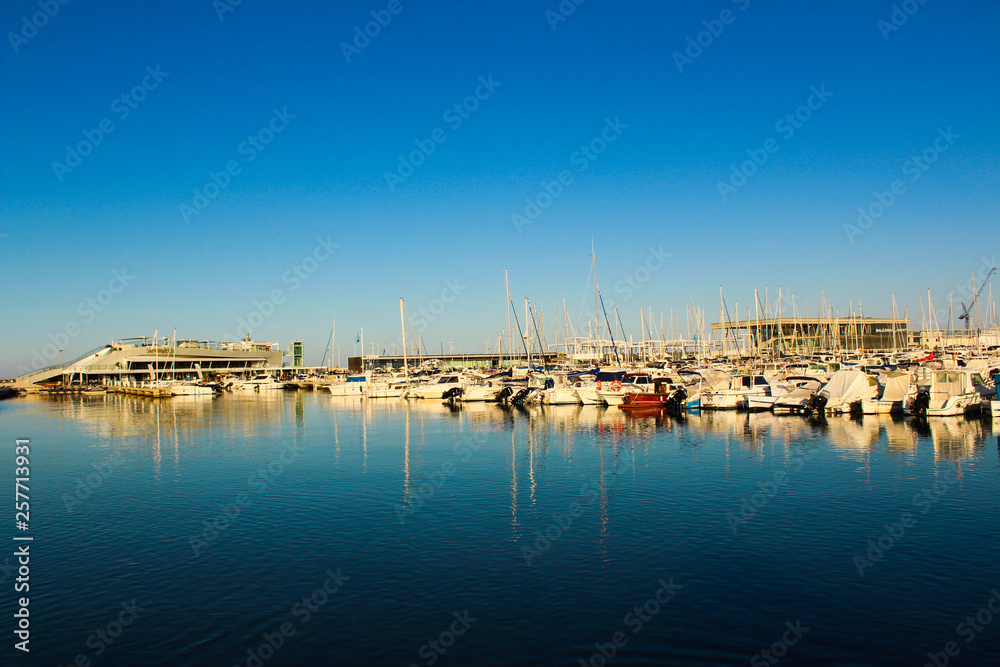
(592, 394)
(799, 397)
(478, 390)
(845, 391)
(437, 387)
(741, 387)
(614, 392)
(663, 393)
(566, 390)
(703, 380)
(262, 382)
(952, 392)
(353, 386)
(190, 389)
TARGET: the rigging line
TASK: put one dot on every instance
(519, 333)
(610, 330)
(585, 290)
(538, 336)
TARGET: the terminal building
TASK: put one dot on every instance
(145, 358)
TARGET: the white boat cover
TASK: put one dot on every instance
(849, 385)
(897, 384)
(714, 379)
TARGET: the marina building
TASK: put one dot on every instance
(143, 358)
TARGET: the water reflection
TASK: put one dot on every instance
(661, 488)
(191, 426)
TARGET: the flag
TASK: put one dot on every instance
(358, 339)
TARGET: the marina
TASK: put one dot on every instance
(818, 365)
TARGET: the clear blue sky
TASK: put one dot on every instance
(676, 127)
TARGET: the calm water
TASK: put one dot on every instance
(508, 537)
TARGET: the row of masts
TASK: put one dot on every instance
(773, 331)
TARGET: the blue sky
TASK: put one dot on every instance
(201, 89)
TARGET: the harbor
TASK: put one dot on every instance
(802, 365)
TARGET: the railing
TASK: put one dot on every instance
(167, 345)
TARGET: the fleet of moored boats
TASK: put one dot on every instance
(926, 385)
(923, 384)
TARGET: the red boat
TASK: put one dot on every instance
(665, 394)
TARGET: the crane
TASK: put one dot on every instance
(966, 310)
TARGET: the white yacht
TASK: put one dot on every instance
(262, 382)
(182, 388)
(797, 398)
(563, 394)
(605, 379)
(737, 396)
(956, 392)
(766, 400)
(479, 390)
(353, 386)
(437, 387)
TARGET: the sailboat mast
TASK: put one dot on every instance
(402, 327)
(597, 311)
(507, 307)
(527, 332)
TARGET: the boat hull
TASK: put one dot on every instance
(648, 401)
(590, 396)
(954, 406)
